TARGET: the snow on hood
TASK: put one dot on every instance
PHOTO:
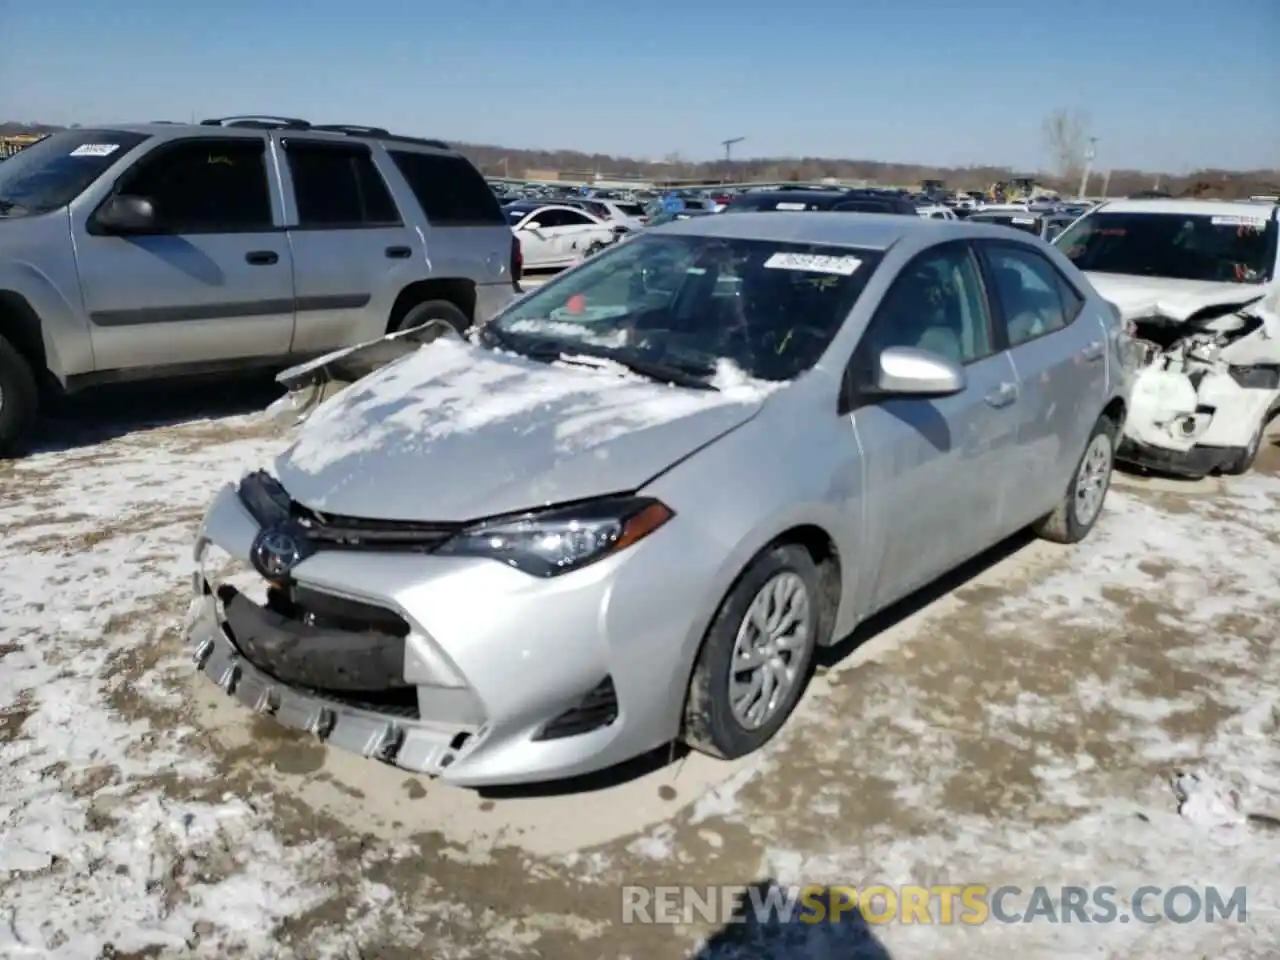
(456, 432)
(1141, 297)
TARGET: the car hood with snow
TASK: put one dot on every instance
(455, 432)
(1141, 298)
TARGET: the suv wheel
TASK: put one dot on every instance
(19, 398)
(1082, 505)
(429, 310)
(756, 656)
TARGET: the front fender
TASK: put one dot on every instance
(50, 316)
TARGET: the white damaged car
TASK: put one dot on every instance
(1196, 280)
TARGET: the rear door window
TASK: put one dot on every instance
(338, 186)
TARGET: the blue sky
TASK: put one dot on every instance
(1168, 84)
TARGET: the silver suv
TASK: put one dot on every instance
(146, 251)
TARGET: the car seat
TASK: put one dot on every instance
(1022, 320)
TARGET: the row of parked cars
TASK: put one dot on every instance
(525, 536)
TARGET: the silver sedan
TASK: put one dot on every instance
(635, 504)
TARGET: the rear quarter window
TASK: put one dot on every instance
(449, 189)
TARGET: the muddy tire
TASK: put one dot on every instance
(19, 399)
(423, 313)
(780, 586)
(1080, 508)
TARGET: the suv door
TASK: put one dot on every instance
(935, 468)
(352, 253)
(212, 281)
(1059, 353)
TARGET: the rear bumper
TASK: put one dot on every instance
(1197, 462)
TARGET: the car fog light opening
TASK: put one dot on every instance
(551, 542)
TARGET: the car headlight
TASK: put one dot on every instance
(551, 542)
(264, 498)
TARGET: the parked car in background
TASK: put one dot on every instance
(1197, 279)
(619, 212)
(518, 559)
(848, 201)
(134, 252)
(557, 235)
(1046, 226)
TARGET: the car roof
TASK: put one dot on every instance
(869, 231)
(1238, 208)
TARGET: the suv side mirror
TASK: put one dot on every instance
(125, 214)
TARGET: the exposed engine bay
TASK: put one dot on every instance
(1207, 383)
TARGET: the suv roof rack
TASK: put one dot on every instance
(258, 122)
(269, 122)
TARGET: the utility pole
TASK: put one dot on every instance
(728, 154)
(1089, 156)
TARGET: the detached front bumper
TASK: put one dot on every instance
(494, 677)
(1192, 464)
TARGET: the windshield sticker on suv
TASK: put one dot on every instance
(787, 205)
(1023, 220)
(1237, 221)
(95, 150)
(812, 263)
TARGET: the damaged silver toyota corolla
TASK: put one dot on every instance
(1197, 282)
(632, 508)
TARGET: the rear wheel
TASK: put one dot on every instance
(19, 398)
(1079, 510)
(756, 656)
(422, 315)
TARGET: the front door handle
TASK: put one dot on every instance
(262, 258)
(1093, 350)
(1002, 395)
(398, 253)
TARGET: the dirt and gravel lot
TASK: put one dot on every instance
(1019, 725)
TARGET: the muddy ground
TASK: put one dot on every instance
(1019, 724)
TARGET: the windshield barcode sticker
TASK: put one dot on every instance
(1238, 221)
(95, 150)
(787, 205)
(813, 263)
(1023, 220)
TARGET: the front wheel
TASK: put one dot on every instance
(1079, 510)
(19, 398)
(755, 657)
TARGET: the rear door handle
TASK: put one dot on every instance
(398, 253)
(1002, 395)
(262, 258)
(1093, 350)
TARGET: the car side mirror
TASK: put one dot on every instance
(910, 371)
(532, 225)
(125, 214)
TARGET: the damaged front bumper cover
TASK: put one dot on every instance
(371, 733)
(1191, 464)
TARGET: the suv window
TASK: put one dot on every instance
(1034, 297)
(449, 189)
(214, 185)
(52, 172)
(339, 186)
(935, 304)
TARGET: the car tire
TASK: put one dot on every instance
(19, 398)
(1070, 522)
(423, 313)
(711, 725)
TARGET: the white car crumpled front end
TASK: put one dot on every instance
(1208, 377)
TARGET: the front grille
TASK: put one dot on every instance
(597, 709)
(402, 702)
(354, 533)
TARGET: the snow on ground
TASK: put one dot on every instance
(1104, 715)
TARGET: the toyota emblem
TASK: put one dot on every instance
(275, 552)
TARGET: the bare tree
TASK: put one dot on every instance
(1066, 135)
